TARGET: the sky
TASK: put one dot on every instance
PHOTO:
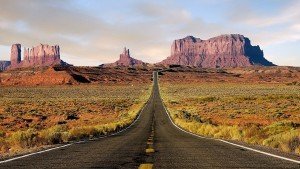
(92, 32)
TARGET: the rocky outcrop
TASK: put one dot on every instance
(39, 56)
(15, 55)
(223, 51)
(4, 65)
(126, 60)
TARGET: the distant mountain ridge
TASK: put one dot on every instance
(232, 50)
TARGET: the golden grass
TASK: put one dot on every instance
(264, 114)
(32, 117)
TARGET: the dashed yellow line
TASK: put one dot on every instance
(146, 166)
(150, 150)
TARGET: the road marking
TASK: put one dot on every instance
(39, 152)
(146, 166)
(180, 127)
(262, 152)
(150, 150)
(248, 148)
(78, 142)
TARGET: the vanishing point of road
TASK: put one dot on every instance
(152, 141)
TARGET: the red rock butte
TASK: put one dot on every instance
(223, 51)
(39, 56)
(126, 60)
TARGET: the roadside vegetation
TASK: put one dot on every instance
(34, 117)
(262, 114)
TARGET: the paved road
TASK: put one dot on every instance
(153, 131)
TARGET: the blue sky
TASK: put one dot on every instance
(91, 32)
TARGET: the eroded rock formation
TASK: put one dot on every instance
(39, 56)
(15, 55)
(126, 60)
(223, 51)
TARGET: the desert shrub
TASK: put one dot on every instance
(287, 141)
(253, 134)
(297, 150)
(78, 133)
(207, 129)
(229, 132)
(2, 133)
(278, 127)
(28, 138)
(4, 147)
(53, 135)
(207, 99)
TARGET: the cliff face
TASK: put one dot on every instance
(15, 55)
(126, 60)
(222, 51)
(39, 56)
(4, 65)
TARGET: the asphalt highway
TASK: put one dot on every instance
(152, 141)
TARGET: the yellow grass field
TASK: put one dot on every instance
(264, 114)
(32, 117)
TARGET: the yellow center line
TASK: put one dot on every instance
(150, 150)
(146, 166)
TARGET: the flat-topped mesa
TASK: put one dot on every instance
(126, 60)
(42, 55)
(39, 56)
(232, 50)
(185, 44)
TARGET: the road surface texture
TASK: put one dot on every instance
(152, 141)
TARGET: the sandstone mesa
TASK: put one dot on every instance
(232, 50)
(223, 51)
(39, 56)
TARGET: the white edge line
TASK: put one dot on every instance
(78, 142)
(262, 152)
(39, 152)
(248, 148)
(180, 127)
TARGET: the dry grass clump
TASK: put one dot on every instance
(264, 114)
(31, 117)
